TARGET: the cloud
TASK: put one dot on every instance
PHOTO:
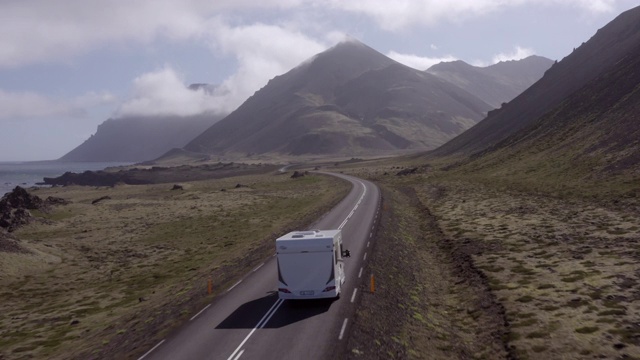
(33, 31)
(518, 53)
(592, 6)
(258, 60)
(30, 105)
(401, 14)
(37, 31)
(418, 62)
(163, 92)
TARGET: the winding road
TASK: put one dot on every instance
(250, 322)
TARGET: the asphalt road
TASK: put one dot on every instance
(250, 322)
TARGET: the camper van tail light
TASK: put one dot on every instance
(283, 290)
(329, 288)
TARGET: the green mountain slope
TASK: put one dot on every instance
(589, 61)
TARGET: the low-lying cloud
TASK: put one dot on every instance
(419, 62)
(518, 53)
(258, 60)
(164, 92)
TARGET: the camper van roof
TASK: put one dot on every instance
(312, 234)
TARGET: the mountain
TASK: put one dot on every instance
(590, 140)
(348, 100)
(495, 84)
(135, 139)
(600, 55)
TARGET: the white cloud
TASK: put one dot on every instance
(36, 31)
(433, 47)
(400, 14)
(593, 6)
(33, 31)
(29, 105)
(518, 53)
(419, 62)
(258, 60)
(163, 92)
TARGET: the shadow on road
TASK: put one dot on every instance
(249, 314)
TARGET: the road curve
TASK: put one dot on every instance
(250, 322)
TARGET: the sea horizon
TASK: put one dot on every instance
(29, 173)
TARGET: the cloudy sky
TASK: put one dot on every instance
(68, 65)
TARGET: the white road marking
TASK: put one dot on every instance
(344, 326)
(353, 297)
(370, 235)
(259, 325)
(239, 354)
(367, 243)
(355, 207)
(257, 267)
(235, 355)
(149, 352)
(234, 285)
(200, 312)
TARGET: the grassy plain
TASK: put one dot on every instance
(101, 279)
(470, 265)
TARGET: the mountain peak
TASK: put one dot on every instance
(610, 45)
(493, 84)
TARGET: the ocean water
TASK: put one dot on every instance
(27, 174)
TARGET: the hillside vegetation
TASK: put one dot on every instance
(495, 270)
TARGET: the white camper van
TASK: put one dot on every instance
(310, 264)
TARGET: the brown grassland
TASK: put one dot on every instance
(108, 280)
(480, 268)
(466, 266)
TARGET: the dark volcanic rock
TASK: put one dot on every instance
(92, 178)
(52, 200)
(100, 199)
(177, 187)
(20, 198)
(15, 206)
(407, 171)
(297, 174)
(157, 174)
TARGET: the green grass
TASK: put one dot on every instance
(587, 329)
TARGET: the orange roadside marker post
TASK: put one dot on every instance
(373, 284)
(209, 286)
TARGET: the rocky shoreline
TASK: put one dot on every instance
(156, 174)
